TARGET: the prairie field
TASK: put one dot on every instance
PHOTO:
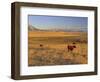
(50, 48)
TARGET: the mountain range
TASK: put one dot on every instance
(33, 28)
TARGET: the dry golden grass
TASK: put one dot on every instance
(54, 48)
(52, 34)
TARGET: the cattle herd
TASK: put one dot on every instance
(70, 47)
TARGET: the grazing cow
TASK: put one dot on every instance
(74, 43)
(41, 45)
(71, 47)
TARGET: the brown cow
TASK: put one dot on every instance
(41, 45)
(71, 47)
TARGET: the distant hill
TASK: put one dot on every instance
(32, 28)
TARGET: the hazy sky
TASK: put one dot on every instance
(58, 22)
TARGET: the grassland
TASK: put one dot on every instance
(54, 48)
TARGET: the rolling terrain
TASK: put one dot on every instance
(50, 48)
